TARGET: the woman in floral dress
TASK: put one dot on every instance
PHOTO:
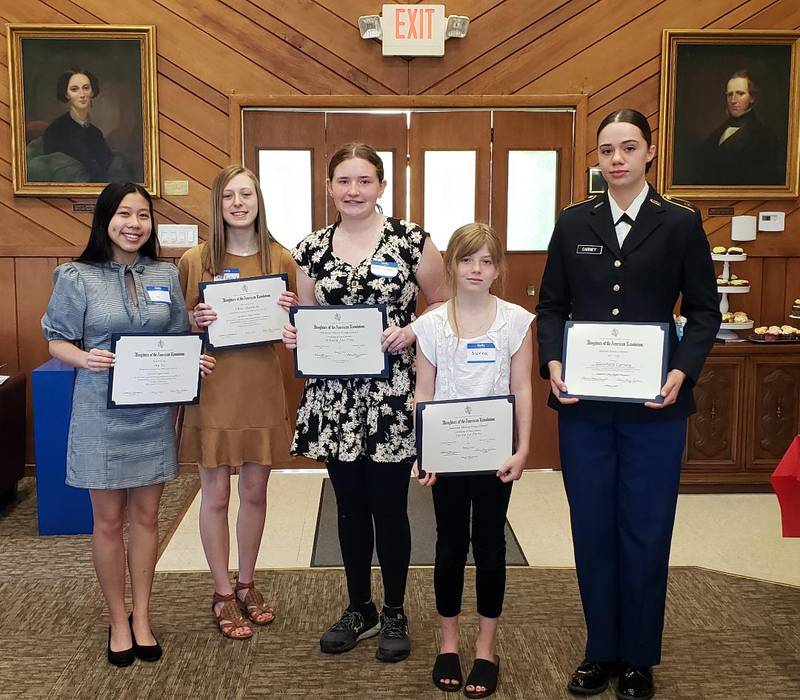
(363, 428)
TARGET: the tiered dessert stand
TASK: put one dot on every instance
(726, 330)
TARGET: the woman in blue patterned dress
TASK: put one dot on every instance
(123, 456)
(363, 428)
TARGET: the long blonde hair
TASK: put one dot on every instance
(468, 240)
(214, 251)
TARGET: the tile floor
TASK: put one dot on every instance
(734, 533)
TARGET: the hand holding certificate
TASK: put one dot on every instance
(340, 341)
(462, 436)
(247, 311)
(615, 361)
(154, 370)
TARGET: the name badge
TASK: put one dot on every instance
(481, 353)
(590, 249)
(229, 273)
(383, 268)
(158, 294)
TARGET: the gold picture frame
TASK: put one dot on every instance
(110, 133)
(730, 104)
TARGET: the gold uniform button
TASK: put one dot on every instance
(618, 263)
(615, 312)
(616, 287)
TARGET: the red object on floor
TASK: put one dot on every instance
(785, 482)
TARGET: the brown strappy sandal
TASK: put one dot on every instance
(253, 605)
(229, 617)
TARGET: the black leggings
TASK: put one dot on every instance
(368, 491)
(453, 498)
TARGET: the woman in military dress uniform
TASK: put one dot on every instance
(625, 256)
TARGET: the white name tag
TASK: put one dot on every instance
(383, 268)
(481, 353)
(157, 294)
(229, 273)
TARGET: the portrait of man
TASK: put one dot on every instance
(726, 124)
(84, 108)
(742, 149)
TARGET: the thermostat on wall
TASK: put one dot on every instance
(771, 220)
(177, 235)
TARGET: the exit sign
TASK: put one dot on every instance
(413, 30)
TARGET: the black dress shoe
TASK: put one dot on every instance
(635, 683)
(119, 658)
(591, 677)
(145, 653)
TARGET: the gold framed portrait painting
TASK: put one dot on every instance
(730, 104)
(83, 108)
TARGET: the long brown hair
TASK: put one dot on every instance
(465, 241)
(355, 150)
(214, 251)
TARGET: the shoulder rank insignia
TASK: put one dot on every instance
(575, 204)
(679, 203)
(654, 202)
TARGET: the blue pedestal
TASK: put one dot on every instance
(63, 510)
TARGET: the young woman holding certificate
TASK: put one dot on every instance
(123, 456)
(362, 428)
(448, 368)
(241, 420)
(625, 256)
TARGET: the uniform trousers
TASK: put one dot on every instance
(621, 480)
(487, 498)
(372, 509)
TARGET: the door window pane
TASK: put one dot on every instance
(532, 190)
(387, 201)
(285, 177)
(449, 193)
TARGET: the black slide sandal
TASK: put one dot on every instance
(447, 666)
(483, 673)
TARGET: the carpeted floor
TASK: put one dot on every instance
(726, 637)
(423, 532)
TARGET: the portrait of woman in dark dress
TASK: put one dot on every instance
(72, 148)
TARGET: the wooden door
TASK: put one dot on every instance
(531, 131)
(490, 135)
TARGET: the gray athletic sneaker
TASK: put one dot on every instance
(393, 643)
(350, 630)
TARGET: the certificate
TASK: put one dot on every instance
(615, 361)
(465, 436)
(154, 370)
(340, 341)
(247, 311)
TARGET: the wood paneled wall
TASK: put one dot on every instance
(208, 49)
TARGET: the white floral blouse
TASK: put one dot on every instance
(347, 419)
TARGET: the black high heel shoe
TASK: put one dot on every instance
(148, 653)
(119, 658)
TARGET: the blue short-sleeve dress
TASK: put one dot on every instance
(123, 447)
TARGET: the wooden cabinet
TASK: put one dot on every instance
(748, 411)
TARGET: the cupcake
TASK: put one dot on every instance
(796, 307)
(735, 250)
(740, 317)
(773, 333)
(760, 332)
(739, 283)
(719, 250)
(727, 317)
(788, 333)
(722, 282)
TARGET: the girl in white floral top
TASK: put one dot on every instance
(476, 345)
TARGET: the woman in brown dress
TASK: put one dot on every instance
(241, 420)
